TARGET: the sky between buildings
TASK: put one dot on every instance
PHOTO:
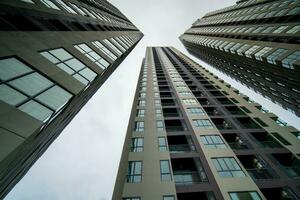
(82, 163)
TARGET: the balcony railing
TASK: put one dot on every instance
(293, 172)
(270, 144)
(192, 177)
(171, 114)
(179, 148)
(175, 128)
(236, 145)
(259, 173)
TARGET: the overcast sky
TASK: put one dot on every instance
(82, 163)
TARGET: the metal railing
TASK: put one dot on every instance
(260, 173)
(236, 145)
(180, 148)
(192, 177)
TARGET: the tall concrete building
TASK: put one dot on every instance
(54, 55)
(193, 136)
(255, 42)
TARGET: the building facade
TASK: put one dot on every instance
(54, 56)
(193, 136)
(256, 42)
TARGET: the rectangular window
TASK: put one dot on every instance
(198, 111)
(142, 103)
(158, 112)
(131, 198)
(291, 59)
(244, 196)
(113, 47)
(159, 125)
(213, 141)
(203, 123)
(168, 197)
(190, 102)
(137, 144)
(105, 50)
(65, 61)
(162, 144)
(139, 126)
(30, 91)
(157, 102)
(228, 167)
(165, 172)
(281, 139)
(134, 174)
(50, 4)
(141, 113)
(65, 6)
(142, 94)
(275, 55)
(92, 55)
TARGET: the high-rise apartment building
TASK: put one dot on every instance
(255, 42)
(54, 55)
(192, 136)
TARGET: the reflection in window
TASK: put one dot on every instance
(134, 174)
(30, 91)
(228, 167)
(162, 144)
(92, 55)
(105, 50)
(137, 144)
(275, 55)
(65, 61)
(244, 195)
(50, 4)
(213, 142)
(203, 123)
(291, 59)
(165, 172)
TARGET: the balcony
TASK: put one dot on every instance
(235, 141)
(196, 196)
(175, 125)
(209, 87)
(234, 110)
(204, 101)
(212, 111)
(216, 93)
(165, 94)
(222, 124)
(164, 88)
(198, 93)
(247, 123)
(288, 163)
(224, 101)
(180, 144)
(170, 112)
(283, 193)
(188, 171)
(168, 102)
(256, 167)
(266, 140)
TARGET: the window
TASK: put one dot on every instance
(141, 113)
(142, 103)
(158, 112)
(137, 144)
(168, 197)
(92, 55)
(244, 196)
(213, 142)
(275, 55)
(112, 40)
(228, 167)
(162, 144)
(65, 6)
(79, 10)
(28, 1)
(203, 123)
(159, 125)
(280, 122)
(29, 91)
(142, 94)
(131, 198)
(50, 4)
(113, 47)
(190, 102)
(198, 111)
(185, 93)
(250, 51)
(65, 61)
(262, 52)
(165, 172)
(280, 29)
(134, 174)
(105, 50)
(139, 126)
(291, 59)
(157, 102)
(293, 30)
